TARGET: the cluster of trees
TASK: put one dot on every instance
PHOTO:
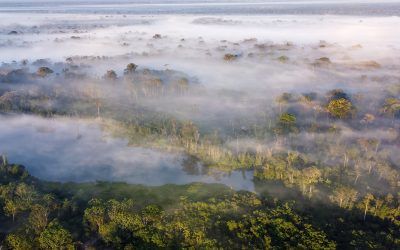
(322, 146)
(241, 221)
(360, 162)
(39, 215)
(327, 161)
(63, 97)
(306, 113)
(147, 83)
(34, 215)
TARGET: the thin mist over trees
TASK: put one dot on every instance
(191, 131)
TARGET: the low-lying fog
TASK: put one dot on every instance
(65, 150)
(156, 7)
(57, 36)
(239, 64)
(272, 53)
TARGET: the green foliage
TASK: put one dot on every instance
(287, 119)
(286, 123)
(202, 224)
(391, 106)
(18, 242)
(340, 108)
(55, 237)
(230, 220)
(338, 183)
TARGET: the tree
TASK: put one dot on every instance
(366, 201)
(4, 160)
(181, 86)
(130, 68)
(378, 205)
(391, 107)
(340, 108)
(283, 99)
(287, 119)
(95, 214)
(94, 92)
(152, 86)
(357, 172)
(11, 208)
(26, 194)
(38, 218)
(55, 237)
(18, 242)
(230, 57)
(286, 123)
(17, 198)
(110, 75)
(44, 71)
(190, 134)
(344, 196)
(311, 176)
(291, 158)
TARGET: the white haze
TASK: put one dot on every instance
(241, 88)
(77, 150)
(377, 35)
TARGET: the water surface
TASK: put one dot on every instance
(76, 150)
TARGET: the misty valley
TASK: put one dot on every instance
(199, 125)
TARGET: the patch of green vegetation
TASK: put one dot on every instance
(48, 215)
(325, 178)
